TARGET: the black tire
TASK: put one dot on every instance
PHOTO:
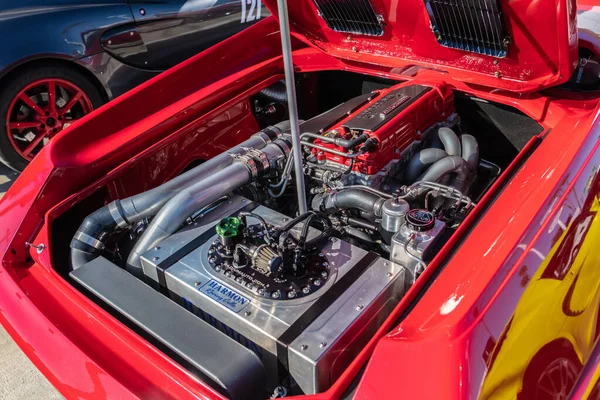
(17, 81)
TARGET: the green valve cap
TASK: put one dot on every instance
(229, 227)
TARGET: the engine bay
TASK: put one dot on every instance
(391, 171)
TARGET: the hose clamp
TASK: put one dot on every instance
(89, 240)
(248, 162)
(115, 212)
(255, 160)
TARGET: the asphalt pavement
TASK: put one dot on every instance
(19, 379)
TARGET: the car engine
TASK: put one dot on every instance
(389, 176)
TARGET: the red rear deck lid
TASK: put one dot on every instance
(517, 45)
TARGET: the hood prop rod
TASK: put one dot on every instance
(288, 65)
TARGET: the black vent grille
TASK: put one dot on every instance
(470, 25)
(350, 16)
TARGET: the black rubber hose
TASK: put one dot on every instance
(470, 151)
(275, 93)
(448, 139)
(359, 222)
(92, 230)
(420, 161)
(352, 198)
(445, 166)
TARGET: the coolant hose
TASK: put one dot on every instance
(350, 198)
(420, 161)
(451, 164)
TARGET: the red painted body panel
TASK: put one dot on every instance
(149, 134)
(538, 57)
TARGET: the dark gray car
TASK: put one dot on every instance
(60, 59)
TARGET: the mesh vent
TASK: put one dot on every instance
(350, 16)
(470, 25)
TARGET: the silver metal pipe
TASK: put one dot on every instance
(172, 216)
(149, 203)
(122, 213)
(288, 64)
(193, 198)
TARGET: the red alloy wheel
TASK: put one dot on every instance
(41, 110)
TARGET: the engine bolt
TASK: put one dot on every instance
(292, 294)
(324, 274)
(212, 260)
(317, 282)
(322, 344)
(321, 255)
(261, 291)
(306, 290)
(326, 264)
(389, 274)
(156, 248)
(155, 258)
(247, 313)
(276, 294)
(304, 347)
(197, 283)
(359, 307)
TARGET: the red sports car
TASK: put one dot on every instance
(398, 200)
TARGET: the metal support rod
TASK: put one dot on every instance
(288, 64)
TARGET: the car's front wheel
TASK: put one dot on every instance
(36, 104)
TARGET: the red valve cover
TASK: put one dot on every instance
(395, 117)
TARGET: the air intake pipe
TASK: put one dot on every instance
(202, 193)
(89, 239)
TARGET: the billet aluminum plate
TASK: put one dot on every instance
(275, 329)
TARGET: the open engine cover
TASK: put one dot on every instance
(518, 45)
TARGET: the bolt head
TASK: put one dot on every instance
(322, 344)
(359, 307)
(304, 347)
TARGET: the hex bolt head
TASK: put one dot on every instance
(304, 347)
(322, 344)
(155, 258)
(359, 307)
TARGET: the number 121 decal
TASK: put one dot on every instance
(250, 10)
